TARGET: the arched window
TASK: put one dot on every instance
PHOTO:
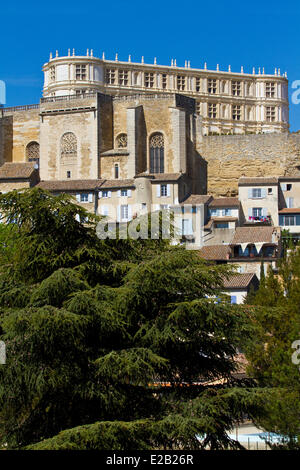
(68, 145)
(33, 152)
(121, 141)
(157, 153)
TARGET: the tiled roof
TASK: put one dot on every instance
(70, 185)
(258, 180)
(239, 280)
(288, 210)
(289, 178)
(197, 199)
(215, 252)
(16, 170)
(161, 176)
(225, 202)
(118, 183)
(252, 235)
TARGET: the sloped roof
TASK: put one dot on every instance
(215, 252)
(239, 280)
(225, 202)
(161, 176)
(117, 183)
(258, 180)
(17, 170)
(197, 199)
(70, 185)
(252, 235)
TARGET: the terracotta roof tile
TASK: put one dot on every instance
(258, 180)
(197, 199)
(17, 170)
(215, 252)
(253, 235)
(239, 280)
(118, 183)
(161, 176)
(225, 202)
(70, 185)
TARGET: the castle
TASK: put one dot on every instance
(126, 138)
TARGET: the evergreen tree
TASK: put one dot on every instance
(114, 344)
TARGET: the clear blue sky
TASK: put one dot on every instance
(256, 33)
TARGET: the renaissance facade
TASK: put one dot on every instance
(229, 102)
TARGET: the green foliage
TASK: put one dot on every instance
(276, 321)
(113, 343)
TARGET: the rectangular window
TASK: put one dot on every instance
(84, 197)
(226, 212)
(221, 225)
(212, 110)
(180, 82)
(164, 80)
(256, 193)
(289, 220)
(52, 74)
(236, 112)
(124, 211)
(198, 84)
(270, 90)
(236, 88)
(80, 72)
(163, 190)
(149, 79)
(123, 192)
(116, 171)
(212, 86)
(290, 202)
(198, 107)
(257, 212)
(110, 76)
(104, 193)
(270, 113)
(288, 187)
(123, 77)
(68, 174)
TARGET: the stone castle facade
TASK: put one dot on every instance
(229, 102)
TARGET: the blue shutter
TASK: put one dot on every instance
(263, 192)
(233, 299)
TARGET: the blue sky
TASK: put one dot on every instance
(253, 34)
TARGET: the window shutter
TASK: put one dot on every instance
(250, 212)
(129, 212)
(78, 197)
(100, 194)
(250, 193)
(109, 194)
(290, 202)
(129, 193)
(190, 227)
(119, 193)
(77, 217)
(168, 190)
(158, 190)
(263, 192)
(233, 299)
(283, 187)
(265, 211)
(90, 197)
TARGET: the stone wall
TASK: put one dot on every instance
(17, 129)
(230, 157)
